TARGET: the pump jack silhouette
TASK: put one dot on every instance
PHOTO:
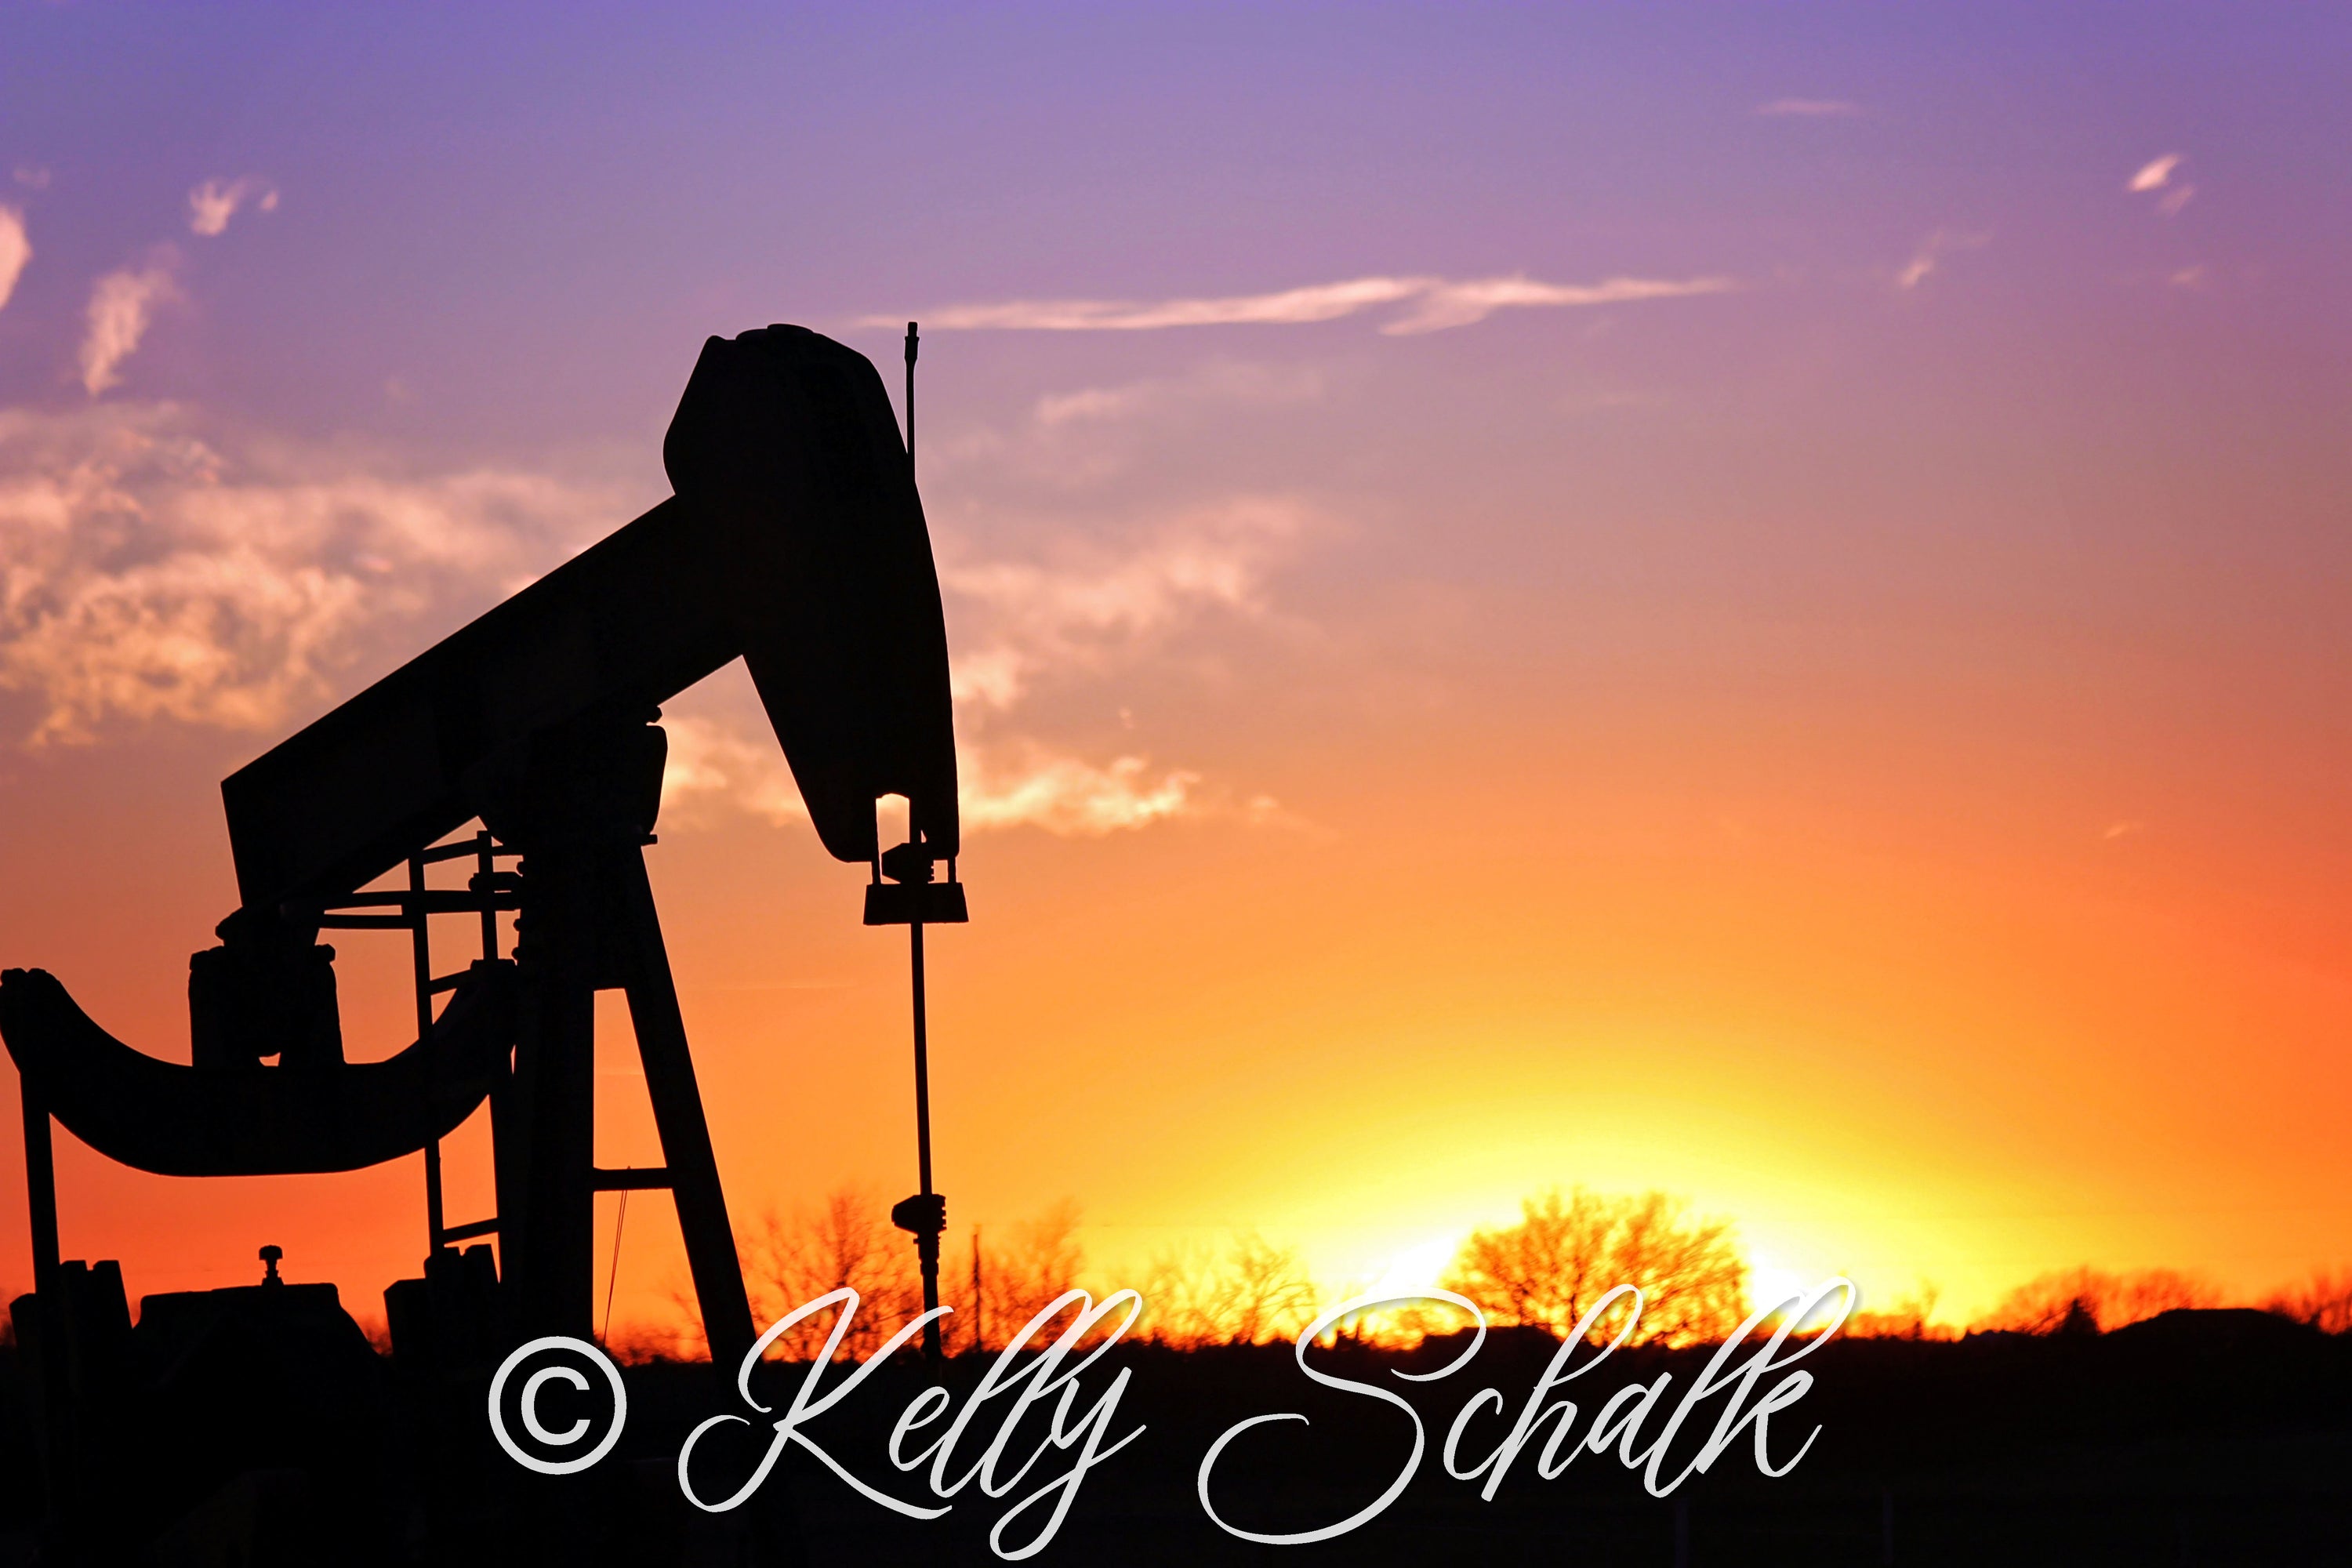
(795, 542)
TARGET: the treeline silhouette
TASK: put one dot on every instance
(1248, 1293)
(1544, 1272)
(2090, 1415)
(2093, 1417)
(1569, 1249)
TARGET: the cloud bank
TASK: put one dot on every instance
(148, 573)
(155, 571)
(1429, 304)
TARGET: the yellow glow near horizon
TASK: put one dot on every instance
(1417, 1268)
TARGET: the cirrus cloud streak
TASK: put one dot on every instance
(1429, 304)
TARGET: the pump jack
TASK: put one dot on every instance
(795, 542)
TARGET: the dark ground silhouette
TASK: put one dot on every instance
(267, 1432)
(2205, 1438)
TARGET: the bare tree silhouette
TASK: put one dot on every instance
(847, 1239)
(2324, 1301)
(1019, 1280)
(1570, 1249)
(1256, 1292)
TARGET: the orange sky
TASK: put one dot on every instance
(1959, 1052)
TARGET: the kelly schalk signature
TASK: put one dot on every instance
(979, 1442)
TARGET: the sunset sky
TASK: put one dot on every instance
(1755, 602)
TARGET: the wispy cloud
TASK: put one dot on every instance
(32, 176)
(713, 761)
(122, 303)
(121, 307)
(15, 250)
(1432, 304)
(1931, 252)
(1318, 302)
(1068, 795)
(1461, 304)
(214, 203)
(1811, 108)
(148, 573)
(1070, 620)
(1076, 612)
(2155, 174)
(720, 763)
